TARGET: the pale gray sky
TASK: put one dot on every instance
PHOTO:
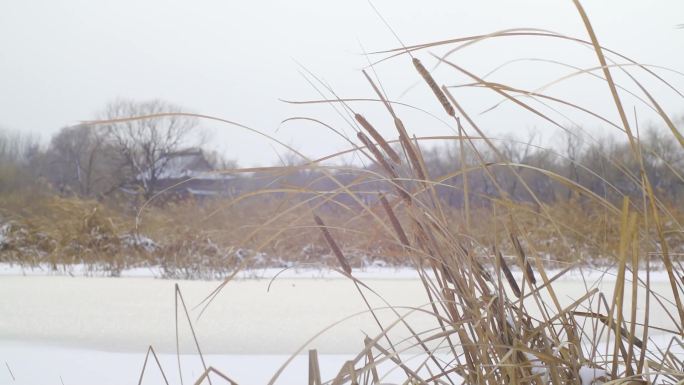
(62, 61)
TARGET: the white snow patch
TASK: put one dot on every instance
(538, 368)
(592, 376)
(4, 233)
(137, 240)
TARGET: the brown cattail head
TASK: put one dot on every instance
(433, 86)
(394, 221)
(376, 153)
(408, 146)
(507, 273)
(390, 170)
(523, 259)
(333, 245)
(383, 163)
(378, 138)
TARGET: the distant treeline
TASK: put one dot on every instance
(516, 169)
(100, 161)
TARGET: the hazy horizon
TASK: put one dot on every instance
(62, 62)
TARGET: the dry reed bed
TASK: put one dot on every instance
(209, 239)
(487, 325)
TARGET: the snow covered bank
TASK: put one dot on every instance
(590, 274)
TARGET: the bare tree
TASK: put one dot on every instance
(80, 160)
(142, 145)
(16, 147)
(573, 151)
(515, 152)
(19, 157)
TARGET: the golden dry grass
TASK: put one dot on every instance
(485, 315)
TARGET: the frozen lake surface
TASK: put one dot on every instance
(96, 330)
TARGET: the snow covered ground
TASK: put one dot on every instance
(378, 271)
(82, 330)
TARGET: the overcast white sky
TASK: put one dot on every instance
(62, 61)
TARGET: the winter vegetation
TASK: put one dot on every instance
(510, 240)
(138, 193)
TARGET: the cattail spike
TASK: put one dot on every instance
(523, 258)
(333, 245)
(394, 221)
(378, 138)
(433, 86)
(408, 146)
(376, 153)
(381, 160)
(509, 276)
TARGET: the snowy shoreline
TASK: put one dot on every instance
(590, 274)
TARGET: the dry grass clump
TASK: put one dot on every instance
(48, 229)
(494, 326)
(187, 239)
(590, 233)
(209, 239)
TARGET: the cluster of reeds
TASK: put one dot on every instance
(495, 326)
